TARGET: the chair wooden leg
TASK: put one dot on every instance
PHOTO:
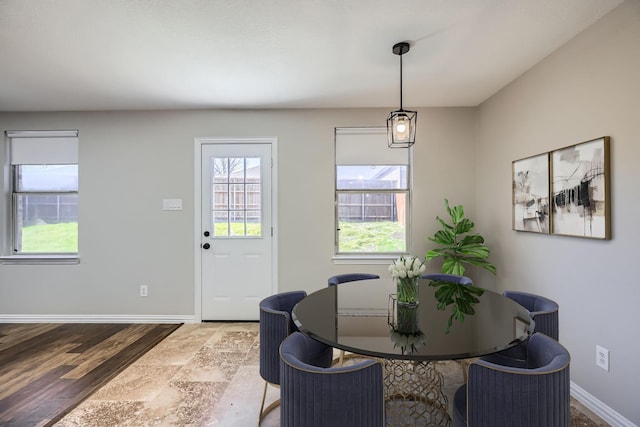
(264, 411)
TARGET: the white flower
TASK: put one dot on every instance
(407, 267)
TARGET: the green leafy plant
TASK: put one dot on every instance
(458, 246)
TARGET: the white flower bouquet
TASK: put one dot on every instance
(406, 272)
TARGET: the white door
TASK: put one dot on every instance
(236, 229)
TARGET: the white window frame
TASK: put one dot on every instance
(376, 152)
(61, 148)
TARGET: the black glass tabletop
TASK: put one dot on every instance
(363, 317)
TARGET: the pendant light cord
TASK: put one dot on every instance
(400, 82)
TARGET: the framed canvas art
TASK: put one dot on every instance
(530, 183)
(580, 190)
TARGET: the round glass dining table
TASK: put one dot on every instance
(360, 317)
(363, 317)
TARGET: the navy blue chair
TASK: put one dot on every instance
(350, 277)
(534, 395)
(275, 325)
(543, 311)
(441, 277)
(315, 396)
(345, 278)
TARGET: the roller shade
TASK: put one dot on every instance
(367, 146)
(43, 147)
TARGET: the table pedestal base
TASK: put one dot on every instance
(413, 394)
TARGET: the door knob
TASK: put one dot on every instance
(206, 246)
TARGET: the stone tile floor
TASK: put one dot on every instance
(207, 374)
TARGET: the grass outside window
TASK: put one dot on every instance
(372, 237)
(50, 238)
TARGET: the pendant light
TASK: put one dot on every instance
(401, 124)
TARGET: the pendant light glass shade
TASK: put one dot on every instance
(401, 128)
(401, 124)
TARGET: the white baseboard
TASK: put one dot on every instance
(599, 408)
(102, 318)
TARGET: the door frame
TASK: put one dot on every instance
(197, 210)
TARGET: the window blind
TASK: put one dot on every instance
(367, 146)
(43, 147)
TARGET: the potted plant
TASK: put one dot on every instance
(459, 247)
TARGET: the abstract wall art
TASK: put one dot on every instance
(530, 184)
(580, 190)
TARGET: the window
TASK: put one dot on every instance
(237, 205)
(373, 192)
(44, 192)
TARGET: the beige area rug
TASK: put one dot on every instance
(207, 374)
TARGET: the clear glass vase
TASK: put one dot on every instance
(407, 291)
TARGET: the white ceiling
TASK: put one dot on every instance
(67, 55)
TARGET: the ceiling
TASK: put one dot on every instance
(69, 55)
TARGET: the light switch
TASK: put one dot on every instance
(171, 204)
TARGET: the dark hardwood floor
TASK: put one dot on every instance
(48, 369)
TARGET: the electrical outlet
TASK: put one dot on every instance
(602, 358)
(144, 290)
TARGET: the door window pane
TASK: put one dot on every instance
(236, 209)
(237, 195)
(220, 197)
(237, 224)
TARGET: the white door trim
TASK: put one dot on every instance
(197, 210)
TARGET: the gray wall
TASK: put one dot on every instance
(587, 89)
(130, 161)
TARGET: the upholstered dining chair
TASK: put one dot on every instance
(350, 277)
(441, 277)
(544, 313)
(536, 394)
(313, 396)
(345, 278)
(275, 325)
